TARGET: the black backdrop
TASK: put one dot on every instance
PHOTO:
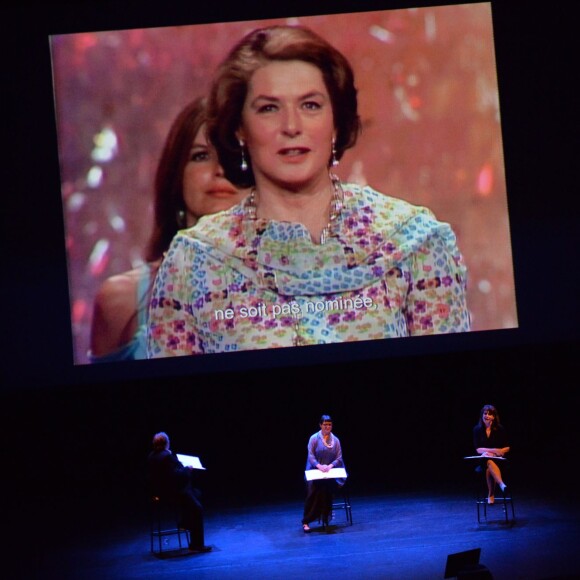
(405, 421)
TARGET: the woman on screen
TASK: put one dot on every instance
(490, 440)
(324, 454)
(189, 183)
(305, 259)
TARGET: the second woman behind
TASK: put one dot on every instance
(189, 183)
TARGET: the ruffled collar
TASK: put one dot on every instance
(372, 235)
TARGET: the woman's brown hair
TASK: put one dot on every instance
(168, 201)
(277, 43)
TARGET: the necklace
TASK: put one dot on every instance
(330, 438)
(336, 206)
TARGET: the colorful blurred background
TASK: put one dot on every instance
(428, 99)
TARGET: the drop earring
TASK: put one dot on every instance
(333, 159)
(243, 164)
(180, 218)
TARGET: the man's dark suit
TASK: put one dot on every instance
(170, 479)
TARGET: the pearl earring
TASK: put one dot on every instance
(180, 218)
(243, 164)
(333, 160)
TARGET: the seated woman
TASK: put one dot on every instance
(490, 441)
(324, 453)
(306, 259)
(189, 183)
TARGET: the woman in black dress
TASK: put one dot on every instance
(490, 441)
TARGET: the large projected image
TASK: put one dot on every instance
(295, 228)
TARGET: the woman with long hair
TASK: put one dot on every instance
(189, 183)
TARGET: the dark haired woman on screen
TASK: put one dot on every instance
(305, 259)
(189, 183)
(490, 440)
(324, 454)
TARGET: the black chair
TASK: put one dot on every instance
(341, 501)
(502, 500)
(164, 520)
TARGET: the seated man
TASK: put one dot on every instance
(170, 479)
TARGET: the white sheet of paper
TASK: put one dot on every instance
(190, 461)
(334, 473)
(482, 457)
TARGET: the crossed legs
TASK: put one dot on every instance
(493, 477)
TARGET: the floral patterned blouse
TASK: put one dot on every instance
(233, 282)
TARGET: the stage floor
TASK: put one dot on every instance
(399, 536)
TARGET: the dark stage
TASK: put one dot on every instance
(394, 535)
(79, 467)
